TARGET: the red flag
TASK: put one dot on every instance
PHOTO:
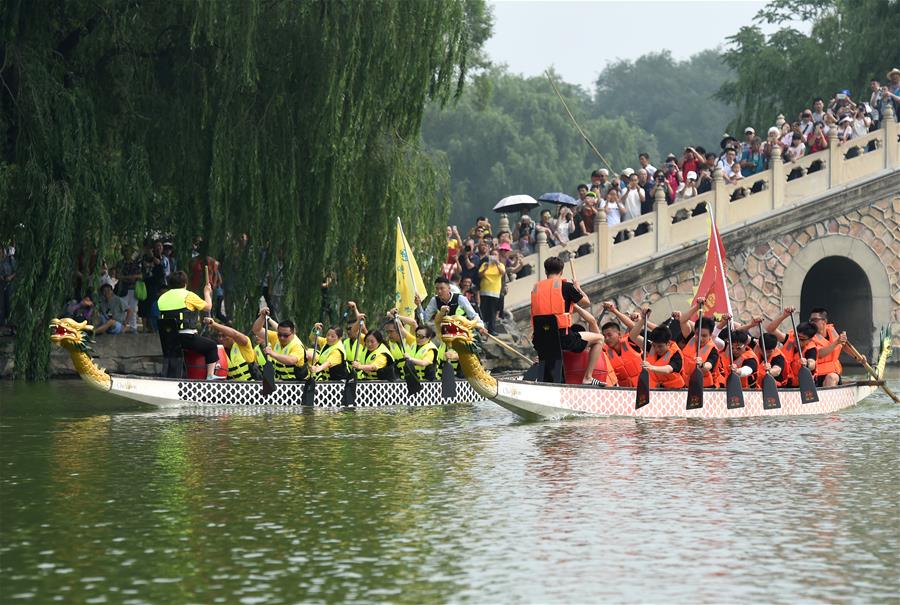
(713, 285)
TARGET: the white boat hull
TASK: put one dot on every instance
(541, 400)
(168, 392)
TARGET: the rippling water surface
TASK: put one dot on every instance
(102, 502)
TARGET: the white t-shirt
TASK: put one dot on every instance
(632, 202)
(613, 216)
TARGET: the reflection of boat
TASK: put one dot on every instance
(172, 392)
(535, 400)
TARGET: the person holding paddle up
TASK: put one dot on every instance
(775, 364)
(808, 342)
(745, 364)
(331, 361)
(282, 347)
(664, 361)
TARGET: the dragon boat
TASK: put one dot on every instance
(541, 400)
(75, 337)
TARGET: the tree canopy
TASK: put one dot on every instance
(272, 128)
(850, 42)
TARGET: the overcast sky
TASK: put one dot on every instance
(580, 38)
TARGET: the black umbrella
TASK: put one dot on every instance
(516, 203)
(558, 198)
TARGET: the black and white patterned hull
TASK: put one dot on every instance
(165, 392)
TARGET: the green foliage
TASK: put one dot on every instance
(850, 43)
(509, 134)
(673, 100)
(293, 123)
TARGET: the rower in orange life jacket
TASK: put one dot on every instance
(775, 363)
(746, 363)
(828, 365)
(808, 342)
(664, 360)
(708, 357)
(555, 296)
(624, 355)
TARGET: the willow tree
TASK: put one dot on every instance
(280, 131)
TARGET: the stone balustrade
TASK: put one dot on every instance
(735, 206)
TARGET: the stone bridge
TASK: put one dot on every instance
(823, 231)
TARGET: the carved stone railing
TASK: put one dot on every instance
(734, 205)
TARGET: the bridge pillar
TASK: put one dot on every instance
(542, 250)
(720, 199)
(835, 159)
(603, 242)
(663, 219)
(777, 178)
(891, 132)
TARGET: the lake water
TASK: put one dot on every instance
(104, 502)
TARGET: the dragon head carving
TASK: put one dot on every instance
(458, 330)
(71, 334)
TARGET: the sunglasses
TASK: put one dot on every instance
(282, 335)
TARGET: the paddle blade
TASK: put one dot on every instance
(448, 381)
(771, 401)
(348, 399)
(268, 379)
(535, 373)
(413, 385)
(808, 392)
(734, 395)
(309, 392)
(642, 394)
(695, 390)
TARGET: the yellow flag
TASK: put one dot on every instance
(409, 279)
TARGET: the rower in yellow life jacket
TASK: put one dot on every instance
(242, 362)
(393, 340)
(378, 364)
(331, 361)
(446, 353)
(424, 355)
(283, 347)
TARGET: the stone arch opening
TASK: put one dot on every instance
(841, 286)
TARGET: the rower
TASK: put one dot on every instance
(378, 364)
(445, 352)
(745, 363)
(664, 361)
(707, 358)
(283, 347)
(331, 362)
(424, 355)
(828, 365)
(775, 363)
(624, 355)
(394, 336)
(181, 306)
(555, 296)
(354, 347)
(808, 343)
(241, 358)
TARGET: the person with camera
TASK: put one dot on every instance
(660, 182)
(565, 225)
(491, 274)
(634, 197)
(818, 140)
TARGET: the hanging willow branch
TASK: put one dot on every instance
(282, 132)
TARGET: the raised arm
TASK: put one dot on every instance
(773, 326)
(238, 337)
(626, 321)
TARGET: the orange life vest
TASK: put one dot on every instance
(792, 359)
(830, 363)
(782, 378)
(739, 362)
(689, 354)
(547, 299)
(626, 365)
(575, 363)
(665, 381)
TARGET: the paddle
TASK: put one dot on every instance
(642, 393)
(309, 389)
(808, 393)
(855, 353)
(268, 369)
(771, 401)
(413, 385)
(734, 394)
(448, 380)
(695, 386)
(348, 398)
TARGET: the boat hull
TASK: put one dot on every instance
(535, 401)
(167, 392)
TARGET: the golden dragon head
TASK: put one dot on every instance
(71, 334)
(458, 330)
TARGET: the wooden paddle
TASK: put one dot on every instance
(309, 389)
(734, 394)
(348, 398)
(642, 393)
(268, 369)
(695, 386)
(771, 401)
(413, 385)
(808, 393)
(856, 354)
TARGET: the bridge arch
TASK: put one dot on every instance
(846, 276)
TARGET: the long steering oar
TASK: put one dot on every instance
(808, 393)
(268, 369)
(855, 353)
(348, 398)
(642, 393)
(510, 349)
(413, 385)
(695, 386)
(309, 389)
(771, 401)
(734, 394)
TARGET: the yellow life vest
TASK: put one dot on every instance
(385, 373)
(171, 306)
(238, 368)
(338, 372)
(426, 372)
(442, 357)
(283, 371)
